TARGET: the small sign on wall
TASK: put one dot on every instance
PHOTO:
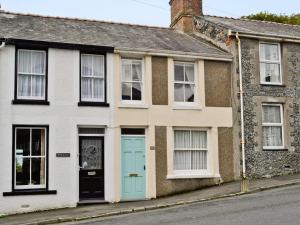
(152, 148)
(63, 155)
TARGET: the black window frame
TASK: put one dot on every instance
(31, 191)
(90, 103)
(17, 101)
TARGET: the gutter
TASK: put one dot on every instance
(264, 36)
(175, 54)
(242, 105)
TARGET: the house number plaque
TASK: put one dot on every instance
(63, 155)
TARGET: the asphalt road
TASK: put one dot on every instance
(274, 207)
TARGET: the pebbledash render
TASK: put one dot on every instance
(94, 112)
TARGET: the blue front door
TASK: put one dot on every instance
(133, 168)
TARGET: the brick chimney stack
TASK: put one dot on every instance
(182, 12)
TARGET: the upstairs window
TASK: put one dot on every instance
(92, 78)
(31, 74)
(132, 80)
(272, 125)
(184, 82)
(270, 64)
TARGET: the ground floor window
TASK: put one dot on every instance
(30, 157)
(272, 125)
(190, 150)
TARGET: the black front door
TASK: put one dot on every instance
(91, 173)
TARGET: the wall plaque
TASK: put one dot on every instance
(63, 155)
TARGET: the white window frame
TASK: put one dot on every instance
(274, 125)
(142, 82)
(263, 61)
(203, 172)
(30, 186)
(92, 77)
(195, 83)
(31, 74)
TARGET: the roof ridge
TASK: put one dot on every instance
(81, 19)
(252, 20)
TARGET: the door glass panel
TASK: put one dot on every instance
(91, 154)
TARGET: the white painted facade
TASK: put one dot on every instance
(63, 117)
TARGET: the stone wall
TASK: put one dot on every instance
(261, 162)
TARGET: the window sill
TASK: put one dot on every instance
(93, 104)
(29, 192)
(276, 85)
(192, 176)
(29, 102)
(275, 150)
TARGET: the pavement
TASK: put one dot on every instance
(280, 206)
(87, 212)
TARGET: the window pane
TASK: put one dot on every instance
(23, 142)
(132, 131)
(91, 130)
(99, 89)
(270, 72)
(38, 171)
(189, 73)
(179, 73)
(126, 91)
(271, 114)
(98, 66)
(137, 71)
(86, 65)
(24, 85)
(199, 139)
(272, 136)
(179, 92)
(22, 170)
(199, 160)
(38, 62)
(38, 86)
(182, 139)
(189, 93)
(87, 88)
(269, 52)
(136, 91)
(182, 160)
(126, 71)
(38, 142)
(24, 65)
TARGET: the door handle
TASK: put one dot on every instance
(133, 175)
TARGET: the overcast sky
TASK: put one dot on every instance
(150, 12)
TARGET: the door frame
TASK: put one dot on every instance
(79, 136)
(146, 162)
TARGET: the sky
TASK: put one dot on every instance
(148, 12)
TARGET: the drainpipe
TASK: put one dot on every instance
(2, 45)
(245, 183)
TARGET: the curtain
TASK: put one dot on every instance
(190, 150)
(92, 77)
(271, 72)
(137, 71)
(271, 114)
(272, 136)
(269, 52)
(189, 73)
(31, 73)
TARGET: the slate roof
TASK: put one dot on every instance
(256, 27)
(100, 33)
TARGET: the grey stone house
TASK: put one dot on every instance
(270, 72)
